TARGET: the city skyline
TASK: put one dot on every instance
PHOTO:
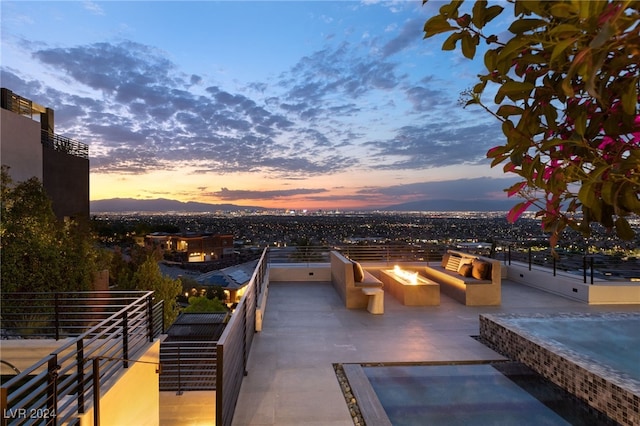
(304, 105)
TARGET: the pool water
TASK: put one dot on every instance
(498, 393)
(614, 341)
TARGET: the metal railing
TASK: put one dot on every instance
(387, 253)
(62, 385)
(188, 366)
(16, 103)
(64, 144)
(590, 266)
(235, 343)
(60, 314)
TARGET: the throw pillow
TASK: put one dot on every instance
(466, 270)
(465, 261)
(481, 270)
(453, 263)
(445, 259)
(358, 272)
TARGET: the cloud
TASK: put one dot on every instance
(93, 8)
(227, 194)
(437, 145)
(145, 106)
(410, 34)
(465, 189)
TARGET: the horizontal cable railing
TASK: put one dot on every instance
(188, 366)
(16, 103)
(61, 314)
(62, 385)
(64, 144)
(235, 344)
(588, 266)
(387, 253)
(592, 266)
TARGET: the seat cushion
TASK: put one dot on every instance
(358, 272)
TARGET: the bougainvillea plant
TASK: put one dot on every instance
(566, 78)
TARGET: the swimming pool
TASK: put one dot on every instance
(593, 356)
(496, 393)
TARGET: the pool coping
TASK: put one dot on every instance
(600, 386)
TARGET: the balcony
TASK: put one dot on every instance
(306, 330)
(285, 373)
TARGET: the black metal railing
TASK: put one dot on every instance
(188, 366)
(16, 103)
(235, 343)
(64, 144)
(62, 385)
(592, 266)
(387, 253)
(59, 315)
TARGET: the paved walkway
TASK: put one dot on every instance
(291, 380)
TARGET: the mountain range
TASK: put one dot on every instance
(128, 205)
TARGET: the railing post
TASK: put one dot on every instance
(591, 268)
(179, 371)
(245, 355)
(3, 402)
(150, 317)
(509, 253)
(125, 340)
(52, 387)
(80, 373)
(584, 269)
(96, 392)
(554, 266)
(56, 314)
(529, 258)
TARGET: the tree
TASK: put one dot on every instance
(567, 83)
(149, 277)
(38, 252)
(202, 304)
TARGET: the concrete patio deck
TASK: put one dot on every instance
(306, 329)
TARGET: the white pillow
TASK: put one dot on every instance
(453, 263)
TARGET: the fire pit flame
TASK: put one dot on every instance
(411, 277)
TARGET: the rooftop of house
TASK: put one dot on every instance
(306, 330)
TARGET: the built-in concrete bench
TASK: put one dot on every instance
(364, 292)
(478, 283)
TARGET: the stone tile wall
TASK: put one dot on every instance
(613, 394)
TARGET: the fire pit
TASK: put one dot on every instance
(410, 288)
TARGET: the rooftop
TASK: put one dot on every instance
(307, 329)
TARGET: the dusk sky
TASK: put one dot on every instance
(284, 104)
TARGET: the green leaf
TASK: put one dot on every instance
(581, 122)
(490, 59)
(478, 13)
(436, 25)
(561, 47)
(450, 42)
(630, 199)
(587, 195)
(563, 10)
(523, 25)
(508, 110)
(468, 45)
(478, 88)
(451, 10)
(514, 90)
(623, 229)
(492, 12)
(629, 97)
(564, 30)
